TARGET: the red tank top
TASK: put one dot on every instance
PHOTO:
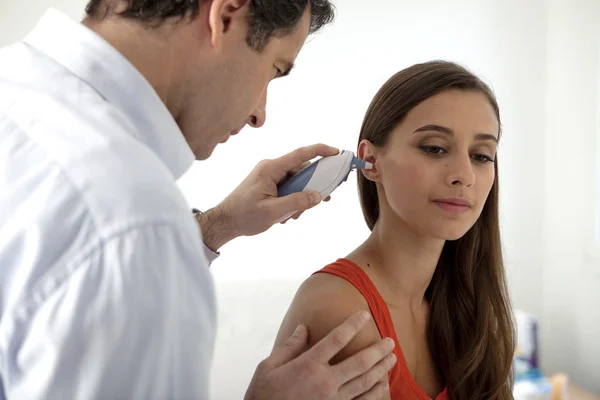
(402, 384)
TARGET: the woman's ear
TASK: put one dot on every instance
(367, 151)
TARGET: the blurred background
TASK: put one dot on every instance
(542, 58)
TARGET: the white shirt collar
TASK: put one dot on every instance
(96, 62)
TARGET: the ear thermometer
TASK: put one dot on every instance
(323, 175)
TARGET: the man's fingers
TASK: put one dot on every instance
(380, 391)
(365, 381)
(294, 171)
(295, 216)
(296, 158)
(364, 360)
(288, 350)
(293, 203)
(338, 338)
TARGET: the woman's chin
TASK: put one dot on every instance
(450, 232)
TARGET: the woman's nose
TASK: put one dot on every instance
(460, 172)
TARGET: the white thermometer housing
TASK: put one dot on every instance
(323, 175)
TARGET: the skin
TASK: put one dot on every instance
(214, 84)
(220, 67)
(235, 78)
(419, 165)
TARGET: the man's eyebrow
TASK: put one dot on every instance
(448, 131)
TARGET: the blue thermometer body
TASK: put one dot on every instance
(323, 175)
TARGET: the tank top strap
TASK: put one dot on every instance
(360, 280)
(352, 273)
(402, 385)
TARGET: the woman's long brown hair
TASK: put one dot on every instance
(471, 329)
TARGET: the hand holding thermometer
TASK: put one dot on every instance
(323, 175)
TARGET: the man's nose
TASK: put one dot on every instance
(257, 118)
(259, 115)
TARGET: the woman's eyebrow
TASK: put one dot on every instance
(448, 131)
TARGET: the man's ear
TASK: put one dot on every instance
(367, 151)
(223, 15)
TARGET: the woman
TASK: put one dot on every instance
(431, 272)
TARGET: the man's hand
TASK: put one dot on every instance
(289, 374)
(253, 207)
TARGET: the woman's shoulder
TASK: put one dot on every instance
(331, 289)
(323, 301)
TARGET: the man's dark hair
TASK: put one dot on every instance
(268, 18)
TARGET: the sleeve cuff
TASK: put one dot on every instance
(210, 255)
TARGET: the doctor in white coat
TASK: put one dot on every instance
(105, 289)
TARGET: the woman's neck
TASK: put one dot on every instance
(402, 261)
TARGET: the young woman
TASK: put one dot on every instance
(431, 271)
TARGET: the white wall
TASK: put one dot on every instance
(571, 285)
(17, 17)
(542, 59)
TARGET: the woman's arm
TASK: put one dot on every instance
(323, 302)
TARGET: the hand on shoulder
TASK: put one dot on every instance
(323, 302)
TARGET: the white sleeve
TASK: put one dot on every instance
(210, 255)
(134, 319)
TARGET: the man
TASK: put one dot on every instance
(105, 289)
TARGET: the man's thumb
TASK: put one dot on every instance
(297, 202)
(290, 349)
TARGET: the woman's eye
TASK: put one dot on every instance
(482, 158)
(433, 150)
(437, 150)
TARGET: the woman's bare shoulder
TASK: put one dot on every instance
(323, 302)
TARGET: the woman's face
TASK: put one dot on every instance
(437, 169)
